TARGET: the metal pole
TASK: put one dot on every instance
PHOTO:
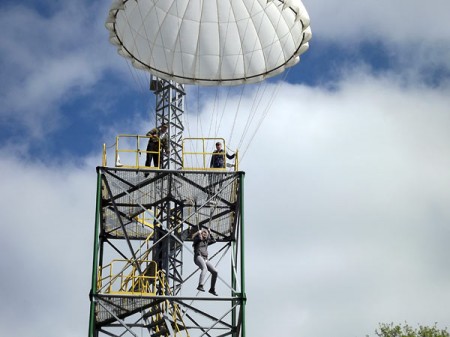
(95, 256)
(243, 295)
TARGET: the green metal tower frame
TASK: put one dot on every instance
(142, 284)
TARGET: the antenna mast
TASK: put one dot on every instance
(169, 111)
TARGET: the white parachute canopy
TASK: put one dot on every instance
(210, 42)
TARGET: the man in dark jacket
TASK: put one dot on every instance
(202, 239)
(218, 157)
(156, 142)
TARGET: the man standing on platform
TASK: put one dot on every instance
(158, 141)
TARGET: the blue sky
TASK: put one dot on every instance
(355, 149)
(100, 93)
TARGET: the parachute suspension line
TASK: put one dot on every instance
(212, 114)
(129, 66)
(218, 113)
(265, 113)
(223, 110)
(189, 116)
(218, 120)
(254, 109)
(186, 119)
(235, 66)
(236, 114)
(199, 124)
(142, 86)
(199, 121)
(251, 116)
(134, 73)
(253, 113)
(149, 41)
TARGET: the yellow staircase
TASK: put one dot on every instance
(164, 317)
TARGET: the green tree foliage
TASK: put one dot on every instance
(391, 330)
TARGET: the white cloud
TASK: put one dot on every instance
(347, 190)
(47, 240)
(46, 57)
(65, 51)
(411, 21)
(414, 36)
(346, 196)
(350, 224)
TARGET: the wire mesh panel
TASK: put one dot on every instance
(208, 199)
(144, 278)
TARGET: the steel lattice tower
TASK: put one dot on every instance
(144, 278)
(169, 111)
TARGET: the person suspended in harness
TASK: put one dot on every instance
(218, 157)
(158, 141)
(202, 239)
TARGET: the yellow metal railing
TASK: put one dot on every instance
(175, 312)
(132, 282)
(146, 221)
(131, 152)
(131, 147)
(197, 153)
(104, 162)
(126, 281)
